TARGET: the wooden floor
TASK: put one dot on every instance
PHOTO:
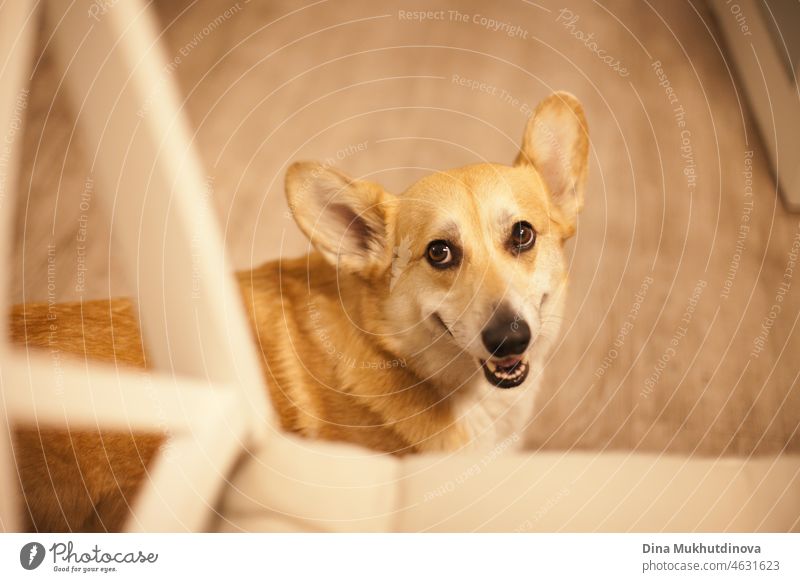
(671, 341)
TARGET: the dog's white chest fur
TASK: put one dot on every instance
(494, 417)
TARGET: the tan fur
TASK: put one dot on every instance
(318, 367)
(79, 481)
(351, 348)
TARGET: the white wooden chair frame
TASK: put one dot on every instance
(206, 392)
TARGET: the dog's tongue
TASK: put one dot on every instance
(507, 362)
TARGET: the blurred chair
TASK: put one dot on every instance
(208, 393)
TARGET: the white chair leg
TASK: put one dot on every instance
(188, 477)
(150, 180)
(17, 35)
(98, 396)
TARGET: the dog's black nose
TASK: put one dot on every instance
(506, 335)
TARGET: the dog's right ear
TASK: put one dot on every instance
(556, 143)
(345, 219)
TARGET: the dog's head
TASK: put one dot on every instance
(466, 268)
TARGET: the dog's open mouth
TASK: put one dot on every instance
(506, 373)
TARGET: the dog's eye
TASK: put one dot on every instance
(440, 254)
(523, 237)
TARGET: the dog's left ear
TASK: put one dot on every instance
(345, 219)
(556, 143)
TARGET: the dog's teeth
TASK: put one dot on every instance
(507, 374)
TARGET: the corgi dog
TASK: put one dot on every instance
(421, 321)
